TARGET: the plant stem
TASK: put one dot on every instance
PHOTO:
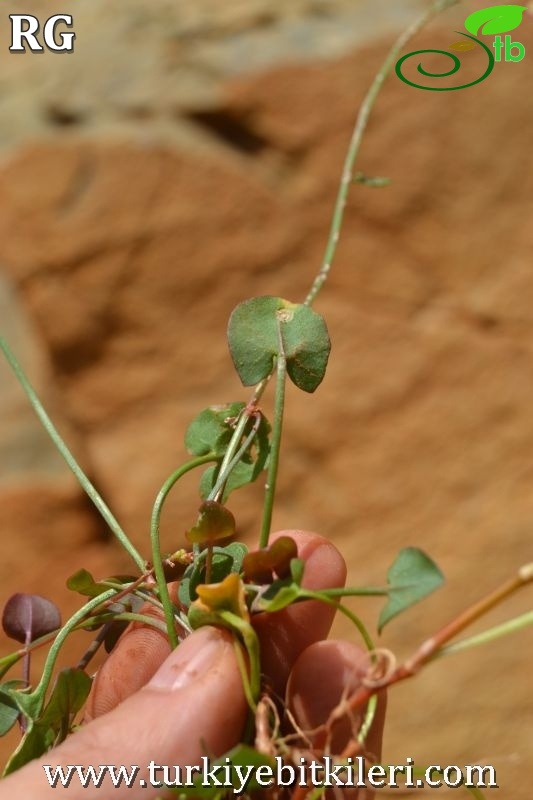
(82, 478)
(355, 143)
(249, 410)
(38, 694)
(279, 403)
(224, 472)
(489, 635)
(155, 540)
(429, 649)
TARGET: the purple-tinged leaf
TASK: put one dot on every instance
(26, 617)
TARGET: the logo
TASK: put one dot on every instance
(25, 29)
(492, 21)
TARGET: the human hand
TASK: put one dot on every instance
(148, 703)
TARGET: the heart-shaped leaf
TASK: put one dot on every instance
(26, 617)
(496, 19)
(412, 577)
(263, 327)
(214, 522)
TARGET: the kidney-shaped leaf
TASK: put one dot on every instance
(26, 617)
(496, 19)
(412, 577)
(260, 328)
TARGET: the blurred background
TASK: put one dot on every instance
(185, 157)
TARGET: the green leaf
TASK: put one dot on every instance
(260, 328)
(297, 570)
(279, 595)
(375, 181)
(9, 710)
(225, 560)
(212, 429)
(412, 577)
(496, 19)
(83, 582)
(68, 696)
(241, 756)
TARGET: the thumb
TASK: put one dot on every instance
(193, 705)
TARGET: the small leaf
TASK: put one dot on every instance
(260, 328)
(212, 429)
(26, 617)
(463, 46)
(374, 182)
(496, 19)
(412, 577)
(225, 560)
(214, 522)
(225, 596)
(68, 696)
(297, 570)
(9, 710)
(260, 565)
(83, 582)
(280, 595)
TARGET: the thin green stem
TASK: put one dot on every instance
(235, 441)
(489, 635)
(355, 144)
(251, 642)
(38, 695)
(275, 445)
(155, 540)
(82, 478)
(325, 597)
(224, 472)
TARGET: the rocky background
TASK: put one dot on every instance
(186, 157)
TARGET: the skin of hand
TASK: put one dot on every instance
(150, 703)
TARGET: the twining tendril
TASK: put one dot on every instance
(456, 67)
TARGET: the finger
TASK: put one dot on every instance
(136, 657)
(192, 705)
(325, 675)
(283, 635)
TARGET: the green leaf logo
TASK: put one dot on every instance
(496, 19)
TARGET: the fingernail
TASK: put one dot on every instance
(190, 660)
